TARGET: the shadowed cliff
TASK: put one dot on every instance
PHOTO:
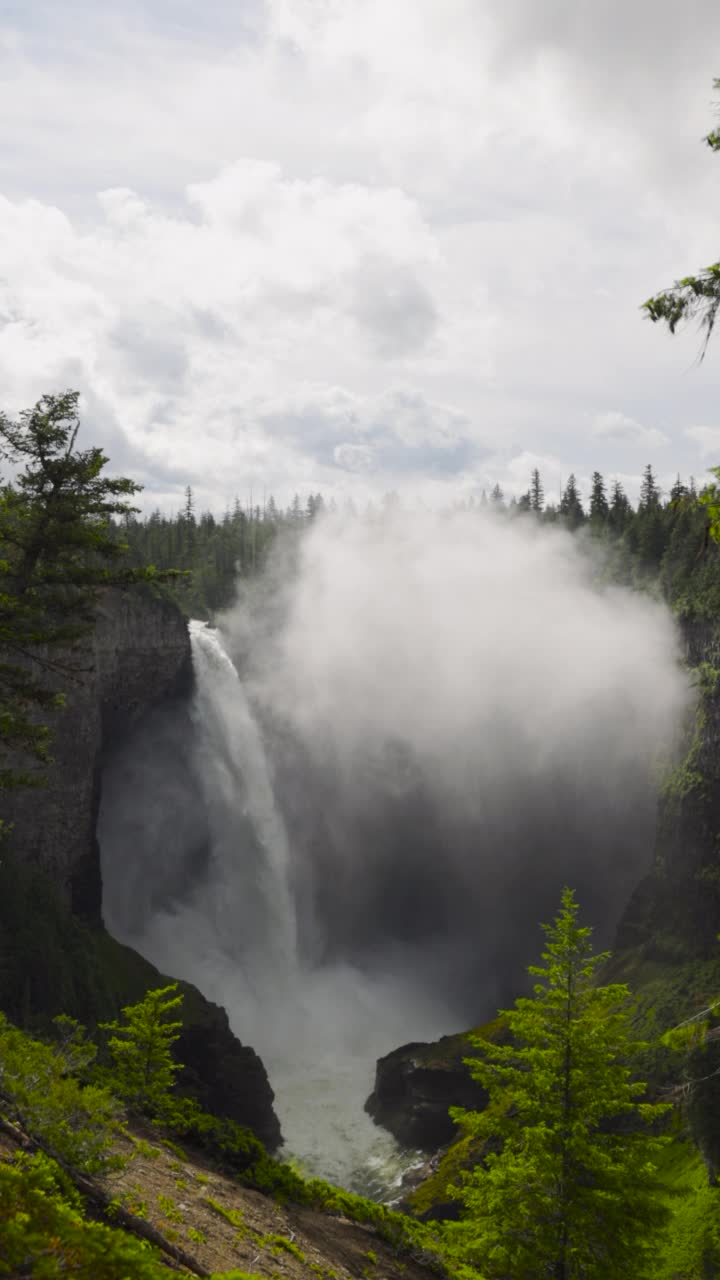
(55, 954)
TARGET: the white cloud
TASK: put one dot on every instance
(613, 425)
(707, 439)
(199, 331)
(453, 197)
(354, 457)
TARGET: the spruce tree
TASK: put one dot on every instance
(141, 1047)
(649, 491)
(537, 492)
(571, 507)
(620, 509)
(599, 507)
(571, 1194)
(58, 547)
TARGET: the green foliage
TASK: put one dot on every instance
(58, 548)
(169, 1209)
(44, 1233)
(710, 500)
(37, 1087)
(686, 776)
(141, 1048)
(279, 1244)
(695, 297)
(233, 1216)
(572, 1192)
(237, 1275)
(211, 553)
(238, 1152)
(691, 1248)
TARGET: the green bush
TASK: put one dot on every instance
(37, 1088)
(44, 1234)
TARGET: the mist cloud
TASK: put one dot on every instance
(478, 718)
(350, 838)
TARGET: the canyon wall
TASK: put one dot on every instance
(55, 954)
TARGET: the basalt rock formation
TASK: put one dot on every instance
(55, 954)
(416, 1084)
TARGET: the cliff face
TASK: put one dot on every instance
(55, 955)
(674, 913)
(138, 655)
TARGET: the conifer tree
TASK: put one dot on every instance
(695, 295)
(58, 547)
(649, 491)
(141, 1047)
(599, 507)
(620, 509)
(679, 491)
(572, 1193)
(571, 505)
(537, 492)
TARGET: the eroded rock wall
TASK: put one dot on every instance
(675, 911)
(137, 656)
(55, 954)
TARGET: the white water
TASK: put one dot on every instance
(318, 1030)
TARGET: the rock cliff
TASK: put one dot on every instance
(674, 914)
(137, 655)
(55, 955)
(416, 1084)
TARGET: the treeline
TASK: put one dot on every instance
(661, 544)
(213, 552)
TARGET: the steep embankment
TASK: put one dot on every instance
(199, 1213)
(55, 955)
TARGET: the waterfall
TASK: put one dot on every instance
(252, 874)
(349, 838)
(232, 929)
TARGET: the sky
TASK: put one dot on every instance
(360, 246)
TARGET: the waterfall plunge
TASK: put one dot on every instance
(318, 1028)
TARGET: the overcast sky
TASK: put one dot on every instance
(360, 245)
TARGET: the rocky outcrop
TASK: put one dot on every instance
(55, 954)
(416, 1084)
